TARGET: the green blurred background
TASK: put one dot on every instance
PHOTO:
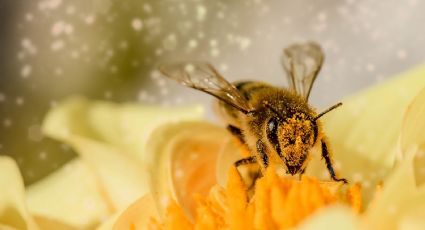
(109, 50)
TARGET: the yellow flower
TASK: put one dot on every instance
(367, 135)
(106, 177)
(133, 164)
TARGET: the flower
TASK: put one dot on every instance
(364, 135)
(133, 159)
(106, 177)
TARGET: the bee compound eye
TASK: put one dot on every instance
(272, 126)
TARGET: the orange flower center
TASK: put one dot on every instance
(278, 203)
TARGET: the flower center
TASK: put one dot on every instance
(278, 203)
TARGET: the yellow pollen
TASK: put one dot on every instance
(278, 203)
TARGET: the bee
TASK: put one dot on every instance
(277, 125)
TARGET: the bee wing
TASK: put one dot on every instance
(204, 77)
(302, 63)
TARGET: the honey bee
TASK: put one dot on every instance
(277, 125)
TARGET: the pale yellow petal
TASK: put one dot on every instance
(110, 138)
(138, 215)
(413, 220)
(398, 196)
(335, 217)
(47, 223)
(412, 137)
(13, 210)
(109, 223)
(368, 123)
(122, 125)
(122, 177)
(71, 196)
(363, 133)
(7, 227)
(183, 156)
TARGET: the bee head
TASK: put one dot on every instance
(292, 139)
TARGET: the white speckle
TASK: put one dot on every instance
(164, 201)
(380, 77)
(53, 4)
(163, 91)
(322, 16)
(201, 12)
(108, 94)
(29, 173)
(58, 71)
(159, 52)
(179, 173)
(213, 42)
(29, 46)
(34, 133)
(220, 15)
(223, 67)
(161, 82)
(147, 8)
(57, 28)
(215, 52)
(113, 69)
(193, 156)
(370, 67)
(193, 44)
(244, 43)
(69, 29)
(70, 10)
(155, 74)
(189, 68)
(75, 54)
(7, 122)
(137, 24)
(49, 4)
(19, 101)
(201, 35)
(110, 53)
(123, 44)
(135, 63)
(401, 54)
(57, 45)
(287, 20)
(26, 71)
(392, 209)
(357, 177)
(89, 19)
(412, 2)
(142, 96)
(170, 42)
(29, 17)
(178, 100)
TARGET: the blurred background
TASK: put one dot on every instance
(109, 50)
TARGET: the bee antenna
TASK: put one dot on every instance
(327, 111)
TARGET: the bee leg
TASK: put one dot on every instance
(261, 151)
(236, 132)
(301, 173)
(245, 161)
(327, 157)
(253, 175)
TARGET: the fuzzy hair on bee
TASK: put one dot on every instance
(277, 125)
